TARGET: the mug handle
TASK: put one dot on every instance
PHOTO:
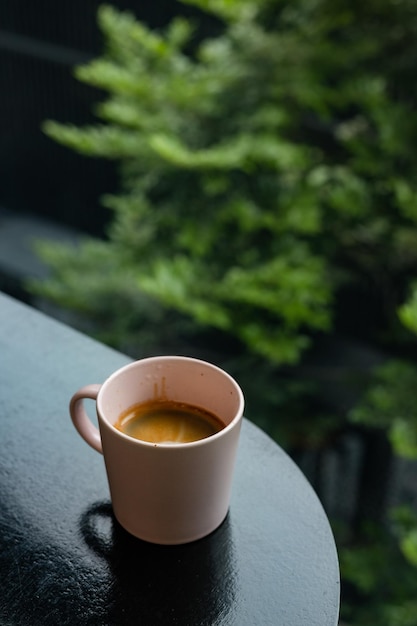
(80, 419)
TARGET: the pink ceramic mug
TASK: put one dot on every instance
(165, 493)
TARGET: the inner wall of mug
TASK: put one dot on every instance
(181, 379)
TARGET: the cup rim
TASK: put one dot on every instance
(171, 446)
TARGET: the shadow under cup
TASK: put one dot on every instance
(170, 493)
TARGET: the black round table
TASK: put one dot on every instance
(64, 560)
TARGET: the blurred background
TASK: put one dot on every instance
(39, 46)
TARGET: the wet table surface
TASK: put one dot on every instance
(65, 560)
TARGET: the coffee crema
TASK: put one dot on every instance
(166, 421)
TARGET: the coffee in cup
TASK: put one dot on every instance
(165, 488)
(166, 421)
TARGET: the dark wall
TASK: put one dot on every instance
(40, 42)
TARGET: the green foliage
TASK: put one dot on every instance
(390, 403)
(259, 168)
(408, 311)
(215, 216)
(383, 569)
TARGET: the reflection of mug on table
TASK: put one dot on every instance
(166, 493)
(145, 583)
